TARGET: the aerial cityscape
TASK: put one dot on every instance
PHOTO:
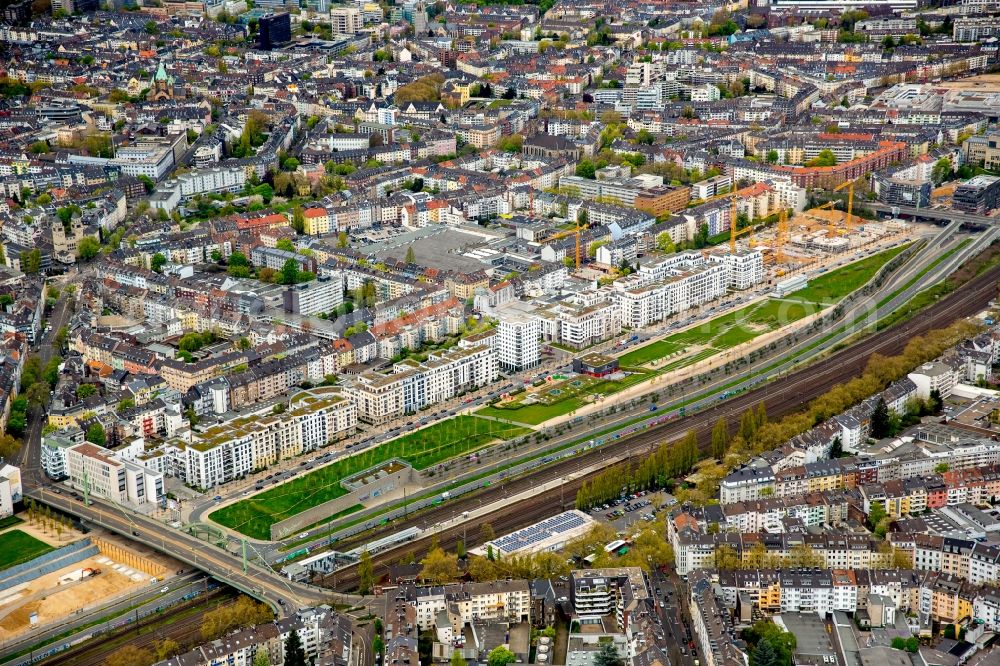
(492, 332)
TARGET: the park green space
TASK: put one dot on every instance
(561, 398)
(422, 449)
(17, 547)
(10, 521)
(742, 325)
(829, 288)
(710, 337)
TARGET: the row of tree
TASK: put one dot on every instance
(244, 613)
(879, 372)
(43, 517)
(36, 386)
(669, 460)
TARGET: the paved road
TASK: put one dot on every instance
(939, 215)
(29, 457)
(284, 596)
(144, 601)
(671, 607)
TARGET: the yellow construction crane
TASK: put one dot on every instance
(850, 203)
(733, 232)
(781, 237)
(563, 234)
(829, 205)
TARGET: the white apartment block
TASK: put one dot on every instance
(379, 398)
(517, 342)
(705, 93)
(596, 593)
(202, 181)
(98, 470)
(789, 195)
(934, 376)
(229, 450)
(443, 376)
(309, 298)
(411, 386)
(675, 285)
(10, 489)
(746, 268)
(746, 484)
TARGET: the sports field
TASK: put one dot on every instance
(422, 449)
(17, 547)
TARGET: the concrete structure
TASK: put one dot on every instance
(934, 376)
(595, 365)
(97, 470)
(346, 20)
(517, 342)
(550, 535)
(324, 294)
(979, 194)
(274, 29)
(229, 450)
(10, 489)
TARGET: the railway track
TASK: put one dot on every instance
(186, 631)
(781, 397)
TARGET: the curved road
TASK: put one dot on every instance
(284, 596)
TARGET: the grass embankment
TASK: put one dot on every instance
(745, 324)
(421, 449)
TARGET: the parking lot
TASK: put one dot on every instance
(639, 507)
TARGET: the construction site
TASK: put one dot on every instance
(84, 575)
(814, 235)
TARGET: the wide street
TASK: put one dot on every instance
(29, 456)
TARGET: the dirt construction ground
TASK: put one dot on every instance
(52, 600)
(60, 594)
(986, 83)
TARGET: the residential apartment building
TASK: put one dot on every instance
(11, 491)
(596, 593)
(226, 451)
(95, 469)
(346, 20)
(411, 386)
(676, 284)
(471, 602)
(322, 295)
(517, 343)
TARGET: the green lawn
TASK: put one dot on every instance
(422, 449)
(543, 411)
(17, 547)
(10, 521)
(734, 328)
(533, 414)
(829, 288)
(651, 352)
(723, 332)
